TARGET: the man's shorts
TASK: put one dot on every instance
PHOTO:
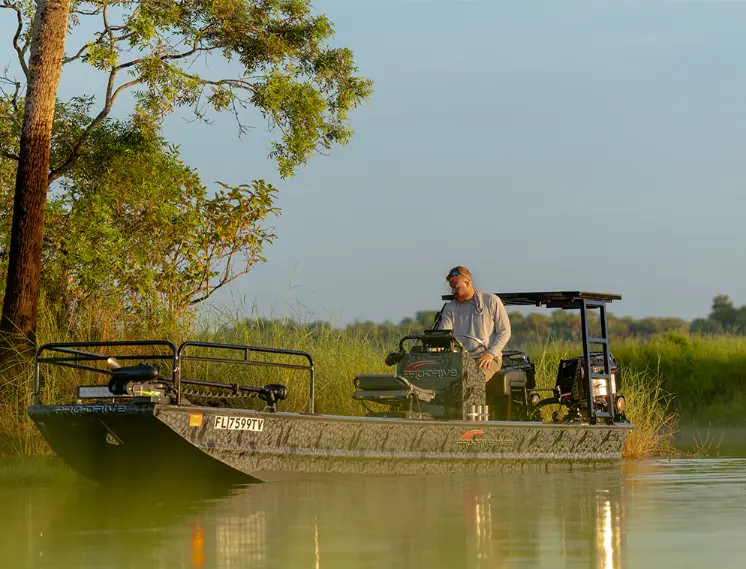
(494, 367)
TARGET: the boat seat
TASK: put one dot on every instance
(382, 387)
(506, 380)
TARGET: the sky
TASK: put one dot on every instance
(591, 145)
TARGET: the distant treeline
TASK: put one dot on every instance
(565, 325)
(724, 318)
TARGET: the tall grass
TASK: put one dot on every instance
(650, 370)
(706, 373)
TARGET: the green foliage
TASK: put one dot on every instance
(129, 224)
(131, 231)
(707, 373)
(281, 64)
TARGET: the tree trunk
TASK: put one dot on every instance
(24, 260)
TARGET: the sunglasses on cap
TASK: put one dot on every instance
(456, 273)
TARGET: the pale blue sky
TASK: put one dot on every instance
(544, 145)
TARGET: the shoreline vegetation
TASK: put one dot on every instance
(668, 380)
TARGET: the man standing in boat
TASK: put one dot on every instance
(478, 319)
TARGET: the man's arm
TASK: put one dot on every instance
(502, 329)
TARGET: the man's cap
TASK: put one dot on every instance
(456, 271)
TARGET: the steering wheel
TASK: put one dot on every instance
(482, 345)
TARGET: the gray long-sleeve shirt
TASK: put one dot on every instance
(483, 317)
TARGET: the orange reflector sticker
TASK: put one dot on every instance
(195, 420)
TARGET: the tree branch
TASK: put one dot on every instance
(12, 98)
(21, 51)
(77, 151)
(167, 57)
(78, 55)
(85, 12)
(111, 96)
(9, 155)
(107, 28)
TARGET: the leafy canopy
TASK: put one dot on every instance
(280, 64)
(131, 231)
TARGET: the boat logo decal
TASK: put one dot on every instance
(97, 408)
(414, 366)
(415, 369)
(477, 439)
(469, 435)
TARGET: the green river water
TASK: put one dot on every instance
(660, 513)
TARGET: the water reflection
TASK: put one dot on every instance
(572, 522)
(524, 520)
(563, 519)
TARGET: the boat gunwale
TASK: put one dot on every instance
(164, 407)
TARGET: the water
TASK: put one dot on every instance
(664, 513)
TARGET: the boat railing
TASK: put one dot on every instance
(246, 352)
(79, 355)
(70, 354)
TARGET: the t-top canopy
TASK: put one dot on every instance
(554, 299)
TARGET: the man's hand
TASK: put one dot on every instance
(485, 361)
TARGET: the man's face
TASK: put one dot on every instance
(461, 288)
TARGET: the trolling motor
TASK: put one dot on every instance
(138, 381)
(141, 380)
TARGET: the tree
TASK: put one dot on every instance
(721, 301)
(42, 74)
(424, 318)
(132, 237)
(723, 312)
(704, 326)
(303, 88)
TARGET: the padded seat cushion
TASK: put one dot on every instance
(382, 386)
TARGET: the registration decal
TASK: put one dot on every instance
(239, 423)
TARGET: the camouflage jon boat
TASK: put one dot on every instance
(434, 415)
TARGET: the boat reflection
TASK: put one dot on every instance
(566, 519)
(525, 522)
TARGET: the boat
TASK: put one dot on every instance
(434, 415)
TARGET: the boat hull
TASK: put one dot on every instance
(179, 441)
(114, 443)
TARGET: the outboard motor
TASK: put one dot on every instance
(572, 386)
